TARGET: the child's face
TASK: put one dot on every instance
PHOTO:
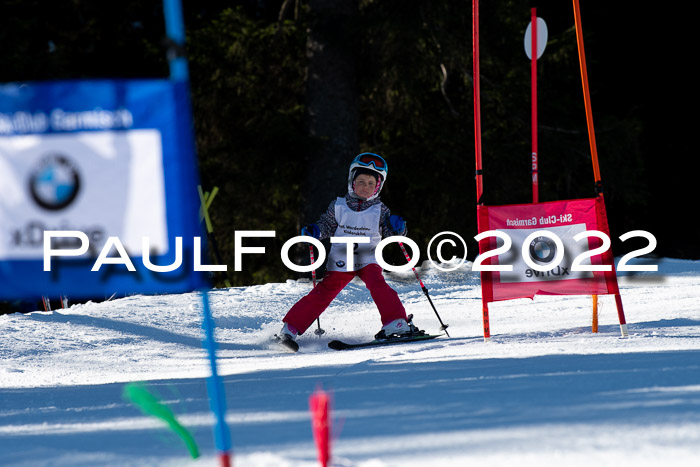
(365, 185)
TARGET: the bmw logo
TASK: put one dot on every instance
(340, 263)
(542, 250)
(55, 182)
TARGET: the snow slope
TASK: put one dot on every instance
(543, 391)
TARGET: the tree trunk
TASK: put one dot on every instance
(332, 103)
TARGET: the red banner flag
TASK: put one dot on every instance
(550, 254)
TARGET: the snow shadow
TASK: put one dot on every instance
(375, 403)
(666, 323)
(134, 329)
(378, 399)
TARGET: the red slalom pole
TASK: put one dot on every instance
(477, 100)
(477, 144)
(533, 72)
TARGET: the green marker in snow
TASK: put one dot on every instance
(149, 404)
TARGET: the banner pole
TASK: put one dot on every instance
(477, 146)
(594, 324)
(587, 96)
(594, 152)
(477, 101)
(533, 72)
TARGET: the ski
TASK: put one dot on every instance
(340, 345)
(287, 343)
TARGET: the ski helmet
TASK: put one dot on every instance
(372, 162)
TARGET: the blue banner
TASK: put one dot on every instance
(98, 189)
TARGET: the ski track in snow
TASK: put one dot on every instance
(544, 391)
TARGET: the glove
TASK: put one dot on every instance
(396, 224)
(311, 230)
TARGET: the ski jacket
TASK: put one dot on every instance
(328, 224)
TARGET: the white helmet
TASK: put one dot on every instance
(372, 162)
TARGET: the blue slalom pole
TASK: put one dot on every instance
(215, 387)
(175, 30)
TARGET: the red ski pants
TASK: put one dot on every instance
(305, 311)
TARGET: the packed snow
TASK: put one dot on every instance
(545, 390)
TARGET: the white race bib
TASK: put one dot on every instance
(355, 224)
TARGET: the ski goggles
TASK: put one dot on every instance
(366, 159)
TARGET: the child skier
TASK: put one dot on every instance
(359, 214)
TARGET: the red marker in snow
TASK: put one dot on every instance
(320, 424)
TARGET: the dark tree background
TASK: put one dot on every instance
(286, 92)
(332, 100)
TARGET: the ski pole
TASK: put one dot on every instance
(443, 327)
(318, 331)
